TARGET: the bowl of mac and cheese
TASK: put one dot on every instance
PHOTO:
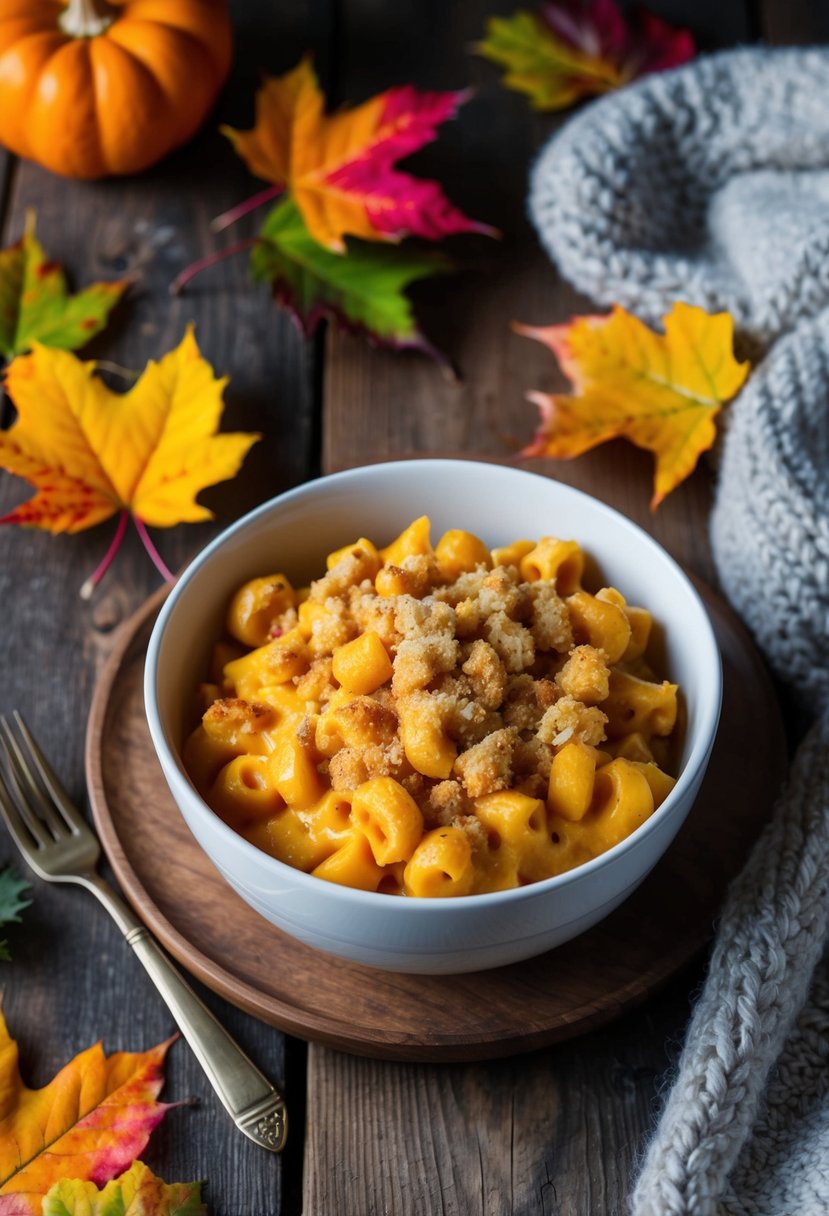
(433, 716)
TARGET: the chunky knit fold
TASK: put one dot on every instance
(770, 522)
(721, 1113)
(710, 185)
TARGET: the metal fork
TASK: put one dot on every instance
(60, 846)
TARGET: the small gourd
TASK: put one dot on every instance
(90, 88)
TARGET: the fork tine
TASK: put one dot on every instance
(59, 798)
(29, 790)
(8, 811)
(15, 803)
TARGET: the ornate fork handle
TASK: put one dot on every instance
(255, 1106)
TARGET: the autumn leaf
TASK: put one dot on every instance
(338, 179)
(660, 391)
(35, 304)
(91, 453)
(568, 50)
(91, 1121)
(12, 887)
(339, 168)
(136, 1193)
(362, 292)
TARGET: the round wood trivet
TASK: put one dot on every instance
(181, 897)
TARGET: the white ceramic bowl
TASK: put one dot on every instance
(292, 533)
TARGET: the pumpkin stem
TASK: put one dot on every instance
(86, 18)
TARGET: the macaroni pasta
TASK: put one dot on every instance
(435, 721)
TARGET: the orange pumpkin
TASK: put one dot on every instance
(94, 87)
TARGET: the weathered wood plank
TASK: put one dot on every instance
(7, 166)
(73, 980)
(557, 1131)
(792, 22)
(7, 163)
(554, 1133)
(713, 24)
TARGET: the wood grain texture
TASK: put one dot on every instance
(713, 24)
(552, 1134)
(73, 980)
(7, 167)
(793, 22)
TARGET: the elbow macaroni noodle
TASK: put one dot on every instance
(435, 721)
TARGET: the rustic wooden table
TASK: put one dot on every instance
(556, 1131)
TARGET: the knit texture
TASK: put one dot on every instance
(770, 522)
(784, 1167)
(710, 185)
(772, 933)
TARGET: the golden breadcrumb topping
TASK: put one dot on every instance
(486, 662)
(571, 719)
(318, 683)
(585, 675)
(491, 675)
(233, 717)
(487, 766)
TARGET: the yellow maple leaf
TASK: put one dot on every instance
(660, 391)
(91, 453)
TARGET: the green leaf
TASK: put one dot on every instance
(361, 290)
(537, 63)
(12, 887)
(35, 304)
(136, 1193)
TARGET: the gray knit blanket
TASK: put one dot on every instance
(710, 184)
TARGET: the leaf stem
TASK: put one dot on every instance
(126, 373)
(99, 572)
(235, 213)
(190, 272)
(155, 556)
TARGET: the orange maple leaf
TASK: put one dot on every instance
(91, 1121)
(339, 168)
(660, 391)
(91, 453)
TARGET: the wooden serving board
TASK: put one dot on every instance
(182, 898)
